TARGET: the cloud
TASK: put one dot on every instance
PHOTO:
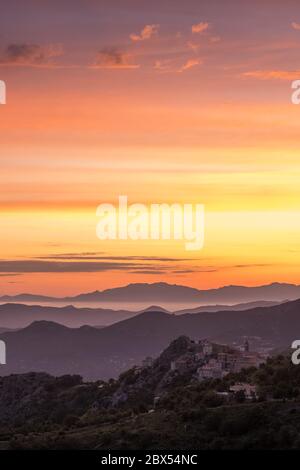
(10, 274)
(214, 39)
(30, 55)
(145, 271)
(190, 63)
(194, 47)
(254, 265)
(147, 32)
(163, 65)
(91, 263)
(192, 271)
(40, 266)
(113, 58)
(200, 27)
(84, 265)
(99, 256)
(296, 26)
(273, 74)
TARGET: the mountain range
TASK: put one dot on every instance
(163, 292)
(20, 315)
(106, 352)
(14, 316)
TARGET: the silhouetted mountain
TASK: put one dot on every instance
(20, 315)
(3, 330)
(218, 308)
(276, 324)
(274, 292)
(155, 308)
(162, 292)
(140, 292)
(91, 352)
(27, 298)
(102, 353)
(14, 316)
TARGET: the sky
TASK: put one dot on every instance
(162, 101)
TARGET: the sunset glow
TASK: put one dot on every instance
(162, 105)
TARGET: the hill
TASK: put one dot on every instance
(39, 411)
(19, 315)
(106, 352)
(218, 308)
(14, 316)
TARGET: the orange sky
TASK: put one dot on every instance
(181, 105)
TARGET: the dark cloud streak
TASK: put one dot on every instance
(33, 55)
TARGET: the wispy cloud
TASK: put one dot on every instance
(100, 256)
(200, 27)
(10, 274)
(31, 55)
(41, 266)
(97, 263)
(113, 58)
(85, 263)
(214, 39)
(194, 47)
(163, 65)
(273, 74)
(296, 26)
(191, 271)
(147, 32)
(147, 271)
(190, 63)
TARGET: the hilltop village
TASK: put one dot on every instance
(212, 361)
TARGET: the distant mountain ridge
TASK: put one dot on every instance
(164, 292)
(219, 307)
(14, 316)
(103, 353)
